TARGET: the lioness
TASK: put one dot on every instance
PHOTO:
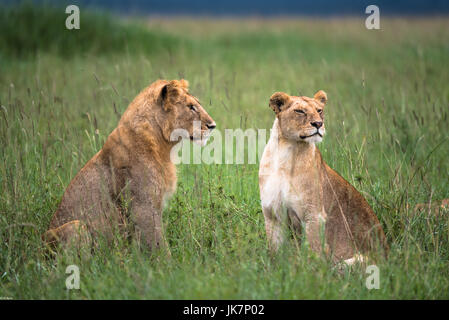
(297, 187)
(134, 162)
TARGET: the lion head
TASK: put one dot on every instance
(182, 112)
(300, 118)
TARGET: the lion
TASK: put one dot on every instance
(132, 176)
(298, 189)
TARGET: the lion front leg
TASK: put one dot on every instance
(275, 225)
(146, 207)
(148, 225)
(315, 231)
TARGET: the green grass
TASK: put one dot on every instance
(386, 121)
(28, 29)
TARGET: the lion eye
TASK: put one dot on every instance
(320, 110)
(300, 111)
(192, 107)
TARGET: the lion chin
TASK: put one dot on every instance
(315, 138)
(200, 140)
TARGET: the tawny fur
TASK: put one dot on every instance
(299, 189)
(132, 168)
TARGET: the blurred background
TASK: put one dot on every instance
(260, 7)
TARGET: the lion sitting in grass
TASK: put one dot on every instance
(298, 188)
(134, 164)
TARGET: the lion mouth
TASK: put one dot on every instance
(197, 139)
(204, 136)
(313, 134)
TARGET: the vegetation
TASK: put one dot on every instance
(28, 29)
(62, 92)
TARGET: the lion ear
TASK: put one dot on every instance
(169, 92)
(179, 84)
(278, 101)
(163, 93)
(184, 83)
(163, 96)
(321, 96)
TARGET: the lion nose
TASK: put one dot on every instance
(211, 126)
(317, 124)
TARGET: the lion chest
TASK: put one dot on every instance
(279, 191)
(170, 186)
(285, 181)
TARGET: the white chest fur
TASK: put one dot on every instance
(280, 177)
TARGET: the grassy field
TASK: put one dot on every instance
(386, 120)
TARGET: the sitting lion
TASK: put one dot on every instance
(135, 163)
(298, 188)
